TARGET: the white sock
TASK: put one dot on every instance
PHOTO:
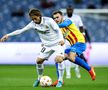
(61, 71)
(68, 67)
(39, 68)
(77, 68)
(77, 71)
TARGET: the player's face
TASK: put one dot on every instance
(36, 19)
(69, 12)
(58, 18)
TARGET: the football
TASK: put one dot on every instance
(45, 81)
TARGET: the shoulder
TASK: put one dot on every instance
(67, 20)
(47, 18)
(76, 16)
(31, 23)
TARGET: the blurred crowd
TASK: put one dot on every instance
(13, 14)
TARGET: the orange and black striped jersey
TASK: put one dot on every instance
(71, 32)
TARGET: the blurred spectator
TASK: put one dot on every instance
(91, 6)
(18, 13)
(47, 3)
(78, 1)
(104, 3)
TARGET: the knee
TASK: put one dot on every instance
(59, 59)
(72, 57)
(39, 60)
(61, 66)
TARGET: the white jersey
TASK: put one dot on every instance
(76, 19)
(48, 31)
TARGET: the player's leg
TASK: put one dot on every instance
(56, 64)
(83, 64)
(60, 69)
(55, 82)
(43, 55)
(77, 71)
(68, 68)
(39, 68)
(59, 59)
(77, 68)
(78, 48)
(83, 57)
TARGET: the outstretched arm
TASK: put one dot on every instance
(17, 32)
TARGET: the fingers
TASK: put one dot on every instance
(61, 43)
(4, 38)
(1, 40)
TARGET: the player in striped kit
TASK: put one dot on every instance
(51, 37)
(76, 19)
(76, 40)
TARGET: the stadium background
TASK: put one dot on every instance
(14, 15)
(21, 49)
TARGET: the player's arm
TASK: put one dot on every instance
(81, 28)
(56, 27)
(65, 23)
(88, 39)
(17, 32)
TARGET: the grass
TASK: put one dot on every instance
(21, 77)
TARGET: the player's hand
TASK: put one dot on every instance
(61, 43)
(4, 38)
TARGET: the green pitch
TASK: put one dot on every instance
(21, 77)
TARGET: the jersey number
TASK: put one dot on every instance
(43, 49)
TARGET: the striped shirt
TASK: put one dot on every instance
(71, 32)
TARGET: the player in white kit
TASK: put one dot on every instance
(52, 40)
(78, 22)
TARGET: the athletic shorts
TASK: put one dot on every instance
(46, 52)
(78, 48)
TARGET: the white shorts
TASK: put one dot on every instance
(46, 52)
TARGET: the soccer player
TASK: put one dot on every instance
(52, 39)
(77, 41)
(76, 19)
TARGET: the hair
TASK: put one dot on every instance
(58, 11)
(34, 12)
(69, 8)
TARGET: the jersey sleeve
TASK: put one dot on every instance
(80, 21)
(65, 23)
(56, 28)
(19, 31)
